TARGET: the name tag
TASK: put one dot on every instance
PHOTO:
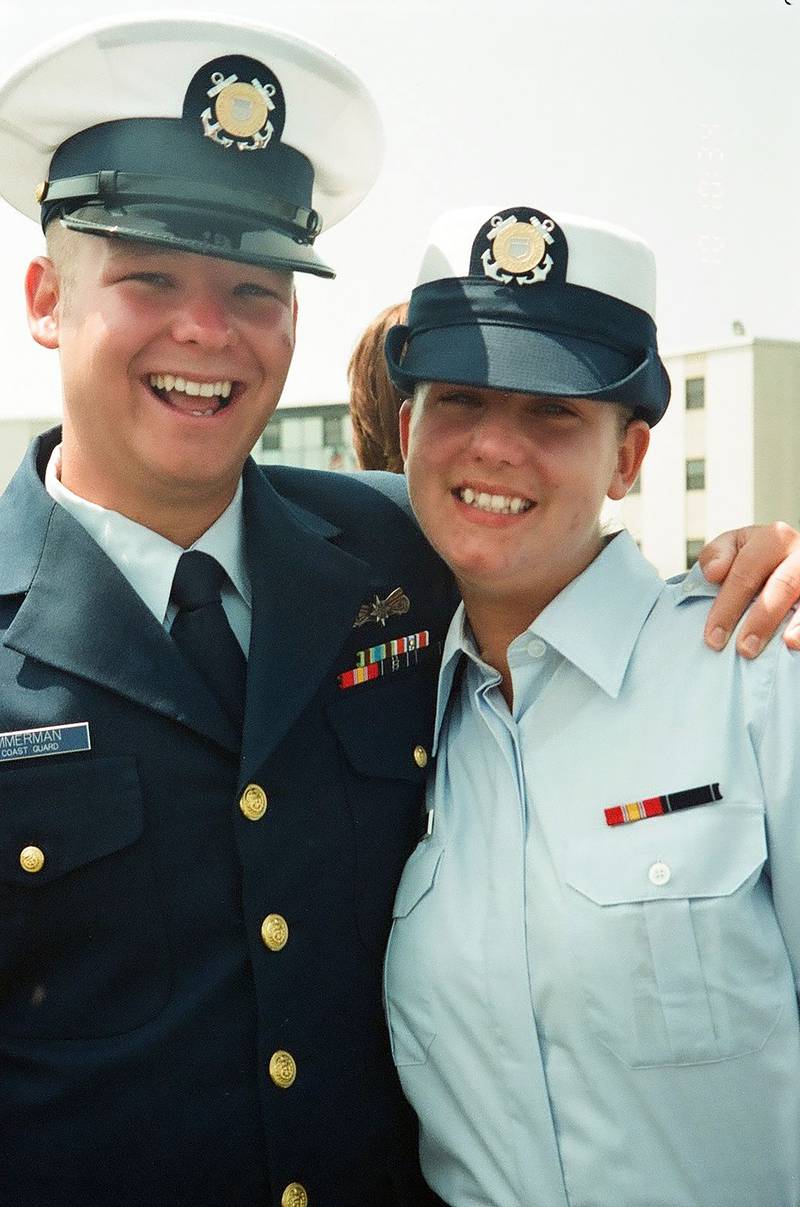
(50, 739)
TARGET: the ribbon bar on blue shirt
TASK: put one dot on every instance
(656, 806)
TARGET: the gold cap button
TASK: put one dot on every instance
(275, 932)
(420, 756)
(31, 859)
(40, 191)
(294, 1196)
(253, 802)
(282, 1069)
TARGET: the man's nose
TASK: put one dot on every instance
(203, 319)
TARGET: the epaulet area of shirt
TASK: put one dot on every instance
(693, 584)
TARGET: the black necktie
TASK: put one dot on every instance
(202, 633)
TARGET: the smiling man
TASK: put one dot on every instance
(172, 364)
(202, 827)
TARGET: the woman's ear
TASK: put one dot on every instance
(630, 455)
(404, 418)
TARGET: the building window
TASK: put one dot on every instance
(271, 436)
(332, 434)
(693, 549)
(696, 474)
(695, 393)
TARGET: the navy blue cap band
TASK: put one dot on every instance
(129, 188)
(564, 340)
(159, 180)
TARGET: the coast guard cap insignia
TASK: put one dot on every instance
(240, 103)
(379, 610)
(520, 246)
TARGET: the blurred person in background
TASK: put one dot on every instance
(374, 401)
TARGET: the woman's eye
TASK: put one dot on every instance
(554, 409)
(460, 400)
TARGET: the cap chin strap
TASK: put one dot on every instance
(118, 189)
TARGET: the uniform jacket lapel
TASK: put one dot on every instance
(306, 593)
(79, 614)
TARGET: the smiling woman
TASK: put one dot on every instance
(548, 959)
(500, 479)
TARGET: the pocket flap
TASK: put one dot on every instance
(418, 877)
(380, 725)
(706, 852)
(73, 813)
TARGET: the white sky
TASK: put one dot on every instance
(677, 118)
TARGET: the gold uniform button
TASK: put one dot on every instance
(253, 802)
(31, 859)
(282, 1069)
(275, 932)
(420, 756)
(294, 1195)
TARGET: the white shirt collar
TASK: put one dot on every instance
(147, 559)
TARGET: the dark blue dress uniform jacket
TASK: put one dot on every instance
(139, 1005)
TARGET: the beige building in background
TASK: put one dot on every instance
(726, 454)
(15, 436)
(314, 435)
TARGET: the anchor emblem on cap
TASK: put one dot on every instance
(239, 112)
(519, 248)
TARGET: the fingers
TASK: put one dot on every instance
(776, 548)
(716, 558)
(791, 634)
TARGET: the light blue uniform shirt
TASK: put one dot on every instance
(600, 1016)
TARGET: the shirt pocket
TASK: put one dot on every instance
(83, 949)
(406, 980)
(679, 952)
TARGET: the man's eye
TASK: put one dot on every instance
(157, 279)
(251, 289)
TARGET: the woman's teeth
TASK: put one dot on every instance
(498, 504)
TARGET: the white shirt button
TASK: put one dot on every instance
(536, 647)
(659, 874)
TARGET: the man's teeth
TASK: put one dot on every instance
(500, 504)
(201, 389)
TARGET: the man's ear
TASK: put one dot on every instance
(42, 295)
(630, 455)
(405, 427)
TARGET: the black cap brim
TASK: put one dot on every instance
(469, 332)
(204, 232)
(511, 358)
